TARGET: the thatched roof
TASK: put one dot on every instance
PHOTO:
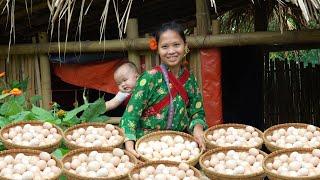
(89, 15)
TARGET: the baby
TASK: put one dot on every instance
(125, 76)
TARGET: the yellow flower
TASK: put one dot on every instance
(61, 113)
(6, 91)
(16, 92)
(2, 74)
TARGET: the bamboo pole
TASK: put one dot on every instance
(45, 74)
(221, 40)
(203, 17)
(133, 33)
(2, 64)
(148, 57)
(37, 74)
(195, 64)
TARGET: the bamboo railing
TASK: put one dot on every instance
(200, 41)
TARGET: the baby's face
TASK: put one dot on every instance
(126, 80)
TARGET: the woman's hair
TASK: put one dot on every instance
(173, 26)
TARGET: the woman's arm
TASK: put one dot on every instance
(196, 111)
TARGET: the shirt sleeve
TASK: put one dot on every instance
(138, 102)
(121, 96)
(195, 110)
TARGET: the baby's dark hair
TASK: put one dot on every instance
(171, 26)
(131, 66)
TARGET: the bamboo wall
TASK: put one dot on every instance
(20, 67)
(291, 93)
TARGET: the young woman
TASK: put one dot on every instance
(166, 97)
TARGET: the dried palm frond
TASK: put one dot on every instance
(122, 23)
(309, 8)
(9, 8)
(61, 9)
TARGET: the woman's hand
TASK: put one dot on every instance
(129, 145)
(199, 136)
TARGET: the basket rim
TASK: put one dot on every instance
(74, 152)
(166, 132)
(35, 152)
(86, 124)
(235, 148)
(286, 151)
(31, 122)
(170, 163)
(236, 125)
(279, 126)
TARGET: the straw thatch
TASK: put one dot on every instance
(71, 17)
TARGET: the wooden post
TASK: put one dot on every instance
(133, 33)
(202, 16)
(148, 57)
(45, 74)
(37, 73)
(215, 27)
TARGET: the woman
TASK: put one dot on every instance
(152, 106)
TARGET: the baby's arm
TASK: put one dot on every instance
(116, 101)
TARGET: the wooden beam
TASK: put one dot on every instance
(132, 33)
(221, 40)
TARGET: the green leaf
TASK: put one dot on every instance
(42, 114)
(23, 115)
(20, 99)
(60, 152)
(94, 110)
(21, 85)
(74, 112)
(2, 146)
(102, 118)
(10, 108)
(4, 121)
(35, 99)
(71, 122)
(4, 96)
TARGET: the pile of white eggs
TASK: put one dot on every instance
(33, 135)
(96, 164)
(23, 166)
(243, 137)
(95, 136)
(161, 172)
(295, 137)
(296, 164)
(235, 163)
(174, 148)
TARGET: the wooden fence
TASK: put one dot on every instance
(291, 93)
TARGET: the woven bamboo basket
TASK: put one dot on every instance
(158, 134)
(48, 148)
(72, 146)
(71, 176)
(274, 176)
(215, 175)
(269, 131)
(30, 152)
(211, 145)
(137, 168)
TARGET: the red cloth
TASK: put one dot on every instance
(211, 85)
(97, 76)
(177, 87)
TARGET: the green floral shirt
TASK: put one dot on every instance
(150, 89)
